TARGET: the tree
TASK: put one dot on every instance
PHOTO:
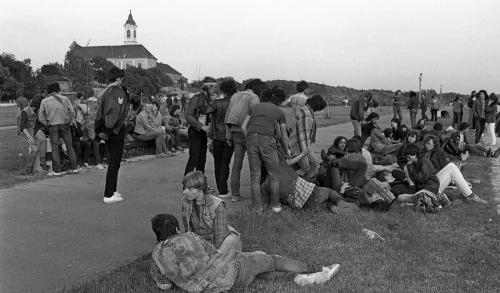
(101, 68)
(146, 82)
(79, 71)
(19, 76)
(51, 69)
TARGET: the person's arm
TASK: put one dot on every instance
(377, 132)
(23, 127)
(284, 139)
(301, 130)
(408, 177)
(244, 125)
(190, 112)
(220, 224)
(71, 111)
(296, 159)
(42, 115)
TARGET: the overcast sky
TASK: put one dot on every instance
(362, 44)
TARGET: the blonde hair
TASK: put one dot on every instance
(195, 179)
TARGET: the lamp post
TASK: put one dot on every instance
(420, 88)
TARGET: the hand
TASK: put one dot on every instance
(31, 140)
(288, 153)
(205, 128)
(229, 142)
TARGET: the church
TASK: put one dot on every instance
(131, 53)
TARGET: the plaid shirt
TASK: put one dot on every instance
(210, 221)
(300, 192)
(193, 264)
(304, 132)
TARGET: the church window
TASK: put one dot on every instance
(128, 33)
(134, 35)
(139, 65)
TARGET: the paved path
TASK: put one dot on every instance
(57, 232)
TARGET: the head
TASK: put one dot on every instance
(421, 122)
(53, 88)
(411, 153)
(430, 142)
(353, 146)
(373, 117)
(228, 87)
(256, 85)
(411, 136)
(340, 143)
(115, 75)
(412, 94)
(395, 123)
(22, 102)
(367, 96)
(388, 132)
(164, 226)
(274, 95)
(398, 93)
(482, 94)
(316, 102)
(457, 98)
(463, 126)
(385, 176)
(302, 86)
(156, 105)
(147, 104)
(175, 110)
(36, 101)
(194, 185)
(437, 126)
(473, 93)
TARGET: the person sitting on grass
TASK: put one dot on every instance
(205, 214)
(158, 122)
(335, 151)
(420, 124)
(195, 265)
(458, 145)
(398, 131)
(434, 153)
(422, 176)
(380, 145)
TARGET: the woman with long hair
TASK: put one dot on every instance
(380, 144)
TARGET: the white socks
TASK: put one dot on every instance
(317, 278)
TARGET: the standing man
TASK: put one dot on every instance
(261, 129)
(57, 112)
(423, 107)
(470, 104)
(299, 99)
(183, 103)
(222, 148)
(197, 131)
(413, 108)
(396, 105)
(110, 125)
(358, 109)
(237, 111)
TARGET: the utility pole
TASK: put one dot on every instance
(420, 88)
(441, 94)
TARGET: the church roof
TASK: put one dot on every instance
(130, 19)
(115, 52)
(165, 68)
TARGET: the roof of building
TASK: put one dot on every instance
(116, 52)
(165, 68)
(130, 19)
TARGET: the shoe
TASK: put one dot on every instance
(99, 167)
(76, 171)
(210, 189)
(324, 156)
(179, 149)
(113, 199)
(496, 154)
(52, 173)
(473, 198)
(444, 200)
(225, 195)
(489, 153)
(276, 209)
(317, 278)
(235, 198)
(119, 195)
(86, 165)
(161, 155)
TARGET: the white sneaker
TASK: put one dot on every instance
(276, 209)
(225, 195)
(118, 194)
(317, 278)
(86, 165)
(76, 171)
(52, 173)
(113, 199)
(99, 167)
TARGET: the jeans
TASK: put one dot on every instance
(197, 150)
(493, 135)
(33, 162)
(42, 146)
(479, 123)
(434, 114)
(397, 112)
(222, 158)
(357, 127)
(114, 146)
(413, 118)
(263, 149)
(424, 116)
(55, 132)
(240, 148)
(471, 118)
(155, 135)
(457, 119)
(451, 173)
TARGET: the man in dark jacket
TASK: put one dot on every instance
(413, 108)
(110, 124)
(358, 109)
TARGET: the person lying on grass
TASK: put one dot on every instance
(421, 174)
(195, 265)
(205, 214)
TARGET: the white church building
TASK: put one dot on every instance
(131, 53)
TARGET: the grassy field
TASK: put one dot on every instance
(8, 115)
(456, 250)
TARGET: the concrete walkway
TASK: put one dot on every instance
(57, 233)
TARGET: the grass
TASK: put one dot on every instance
(8, 115)
(454, 251)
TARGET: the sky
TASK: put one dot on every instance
(363, 44)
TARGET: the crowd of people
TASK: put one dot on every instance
(376, 168)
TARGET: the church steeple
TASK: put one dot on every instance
(130, 31)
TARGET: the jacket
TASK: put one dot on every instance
(423, 174)
(358, 109)
(477, 109)
(196, 107)
(490, 110)
(56, 109)
(435, 104)
(112, 110)
(218, 110)
(437, 157)
(238, 109)
(458, 107)
(413, 103)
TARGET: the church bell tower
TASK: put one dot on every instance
(130, 31)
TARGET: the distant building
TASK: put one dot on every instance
(131, 53)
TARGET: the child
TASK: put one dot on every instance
(25, 127)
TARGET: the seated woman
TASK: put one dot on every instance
(420, 124)
(379, 144)
(146, 129)
(336, 151)
(178, 126)
(411, 138)
(398, 131)
(158, 122)
(205, 214)
(458, 145)
(434, 153)
(422, 175)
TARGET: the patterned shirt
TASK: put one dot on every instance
(304, 132)
(300, 192)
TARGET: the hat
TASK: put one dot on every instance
(372, 115)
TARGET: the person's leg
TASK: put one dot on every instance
(475, 150)
(232, 241)
(493, 135)
(357, 127)
(115, 150)
(194, 149)
(202, 155)
(321, 195)
(478, 130)
(66, 136)
(31, 166)
(217, 153)
(269, 155)
(95, 150)
(157, 136)
(227, 153)
(86, 145)
(54, 143)
(451, 173)
(413, 117)
(78, 149)
(239, 145)
(254, 162)
(42, 147)
(395, 111)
